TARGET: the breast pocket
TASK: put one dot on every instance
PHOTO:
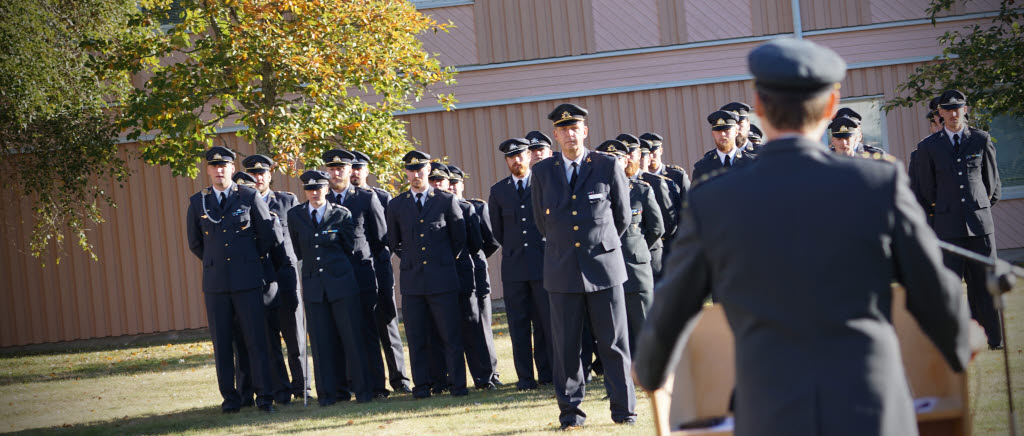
(599, 204)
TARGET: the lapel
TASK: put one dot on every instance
(427, 203)
(304, 215)
(232, 200)
(586, 167)
(349, 194)
(560, 180)
(330, 215)
(527, 189)
(965, 140)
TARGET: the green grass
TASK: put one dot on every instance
(170, 388)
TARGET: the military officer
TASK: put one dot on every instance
(815, 351)
(959, 182)
(674, 172)
(756, 138)
(286, 319)
(934, 119)
(522, 266)
(226, 224)
(368, 216)
(581, 205)
(385, 312)
(725, 155)
(666, 193)
(742, 111)
(427, 231)
(540, 146)
(482, 291)
(844, 133)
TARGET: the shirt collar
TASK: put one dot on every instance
(319, 210)
(425, 192)
(217, 192)
(525, 179)
(578, 160)
(950, 134)
(731, 154)
(343, 194)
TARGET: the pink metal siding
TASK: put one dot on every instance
(621, 25)
(458, 46)
(708, 20)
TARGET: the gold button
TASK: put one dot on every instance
(574, 212)
(229, 258)
(207, 233)
(421, 221)
(225, 245)
(421, 235)
(577, 244)
(423, 248)
(424, 262)
(575, 227)
(225, 230)
(573, 196)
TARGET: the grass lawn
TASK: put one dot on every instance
(170, 388)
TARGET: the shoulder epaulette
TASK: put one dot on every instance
(641, 182)
(675, 167)
(206, 191)
(878, 156)
(480, 200)
(711, 154)
(708, 176)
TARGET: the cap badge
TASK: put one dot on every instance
(416, 160)
(534, 141)
(217, 156)
(336, 159)
(720, 122)
(843, 130)
(566, 116)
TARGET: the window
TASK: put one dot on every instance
(872, 120)
(1008, 134)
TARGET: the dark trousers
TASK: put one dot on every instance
(281, 387)
(293, 331)
(527, 307)
(374, 360)
(394, 356)
(637, 306)
(441, 311)
(978, 298)
(221, 312)
(330, 323)
(474, 342)
(486, 318)
(607, 312)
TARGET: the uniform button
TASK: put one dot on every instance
(423, 248)
(575, 227)
(573, 196)
(524, 219)
(963, 200)
(574, 212)
(207, 233)
(229, 259)
(424, 262)
(316, 246)
(960, 173)
(522, 206)
(961, 186)
(958, 160)
(524, 232)
(577, 244)
(526, 244)
(421, 235)
(421, 221)
(318, 258)
(321, 270)
(225, 230)
(225, 245)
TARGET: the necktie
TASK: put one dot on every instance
(519, 188)
(572, 180)
(419, 202)
(956, 144)
(728, 162)
(220, 202)
(312, 215)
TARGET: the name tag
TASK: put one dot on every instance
(596, 196)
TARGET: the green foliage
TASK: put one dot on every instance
(56, 143)
(985, 62)
(302, 76)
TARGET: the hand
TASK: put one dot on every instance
(976, 338)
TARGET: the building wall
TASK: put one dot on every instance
(637, 66)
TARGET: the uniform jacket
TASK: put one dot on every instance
(490, 246)
(644, 231)
(582, 226)
(427, 241)
(382, 267)
(465, 264)
(678, 175)
(959, 189)
(370, 228)
(522, 252)
(325, 250)
(665, 193)
(233, 240)
(809, 306)
(286, 281)
(710, 162)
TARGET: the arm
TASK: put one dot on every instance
(296, 242)
(193, 228)
(926, 177)
(490, 242)
(667, 192)
(934, 295)
(497, 225)
(678, 299)
(456, 228)
(347, 232)
(619, 196)
(537, 198)
(394, 239)
(990, 172)
(376, 226)
(268, 238)
(474, 236)
(652, 221)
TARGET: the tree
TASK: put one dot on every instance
(985, 62)
(57, 144)
(300, 75)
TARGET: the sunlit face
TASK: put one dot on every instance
(220, 174)
(954, 118)
(262, 181)
(340, 177)
(571, 138)
(519, 163)
(359, 175)
(456, 187)
(316, 196)
(654, 162)
(539, 155)
(417, 178)
(725, 140)
(441, 184)
(744, 128)
(645, 161)
(634, 161)
(844, 146)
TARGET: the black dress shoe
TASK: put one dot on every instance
(995, 347)
(381, 395)
(268, 408)
(403, 389)
(228, 410)
(569, 427)
(627, 421)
